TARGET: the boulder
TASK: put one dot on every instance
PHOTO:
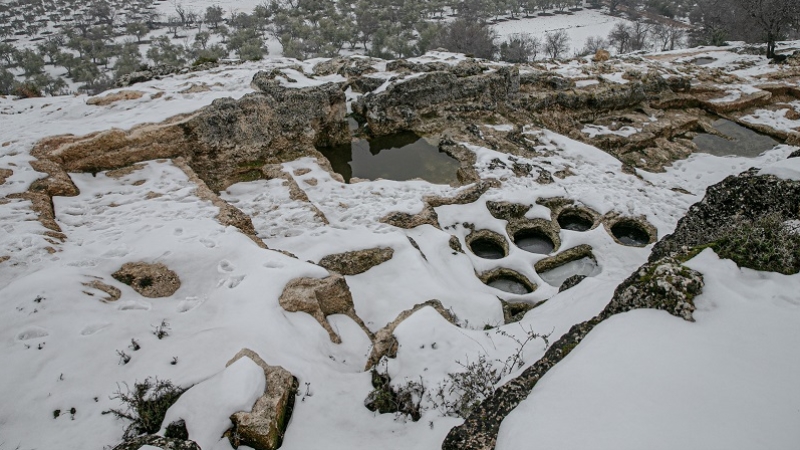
(264, 426)
(321, 297)
(114, 97)
(356, 262)
(149, 280)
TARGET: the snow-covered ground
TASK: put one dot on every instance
(579, 25)
(643, 379)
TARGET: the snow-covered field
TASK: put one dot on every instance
(644, 379)
(579, 25)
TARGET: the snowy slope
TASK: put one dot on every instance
(59, 342)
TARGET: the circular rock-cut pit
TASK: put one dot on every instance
(576, 219)
(555, 270)
(632, 232)
(487, 244)
(535, 236)
(508, 280)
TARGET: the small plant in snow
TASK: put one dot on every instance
(463, 391)
(134, 345)
(162, 330)
(124, 358)
(145, 405)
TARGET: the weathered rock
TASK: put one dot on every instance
(403, 104)
(264, 426)
(356, 262)
(455, 244)
(514, 312)
(163, 443)
(385, 343)
(348, 66)
(571, 282)
(569, 255)
(601, 55)
(5, 174)
(113, 294)
(321, 297)
(747, 196)
(119, 96)
(794, 154)
(149, 280)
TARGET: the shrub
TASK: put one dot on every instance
(145, 405)
(767, 243)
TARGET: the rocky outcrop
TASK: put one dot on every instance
(746, 197)
(275, 124)
(404, 103)
(163, 443)
(264, 426)
(569, 255)
(384, 342)
(149, 280)
(356, 262)
(112, 294)
(664, 284)
(321, 297)
(159, 72)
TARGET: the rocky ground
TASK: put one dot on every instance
(188, 228)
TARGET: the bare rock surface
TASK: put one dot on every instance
(356, 262)
(264, 426)
(321, 297)
(149, 280)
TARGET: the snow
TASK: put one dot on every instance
(59, 342)
(788, 169)
(599, 130)
(578, 25)
(207, 406)
(725, 381)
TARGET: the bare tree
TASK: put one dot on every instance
(773, 17)
(556, 44)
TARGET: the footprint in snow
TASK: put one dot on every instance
(134, 305)
(177, 231)
(189, 304)
(94, 328)
(225, 266)
(32, 333)
(208, 243)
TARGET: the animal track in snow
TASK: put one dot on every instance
(225, 266)
(94, 328)
(32, 333)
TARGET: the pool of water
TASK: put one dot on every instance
(534, 242)
(399, 157)
(629, 234)
(574, 222)
(741, 141)
(510, 285)
(584, 266)
(486, 248)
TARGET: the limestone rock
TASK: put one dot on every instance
(571, 282)
(157, 441)
(264, 426)
(149, 280)
(403, 104)
(114, 97)
(356, 262)
(385, 344)
(113, 294)
(321, 297)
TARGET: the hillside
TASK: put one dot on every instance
(282, 206)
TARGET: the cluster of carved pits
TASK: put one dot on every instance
(543, 237)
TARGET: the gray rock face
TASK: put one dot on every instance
(356, 262)
(264, 426)
(403, 104)
(157, 441)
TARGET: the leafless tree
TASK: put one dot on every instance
(556, 44)
(773, 18)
